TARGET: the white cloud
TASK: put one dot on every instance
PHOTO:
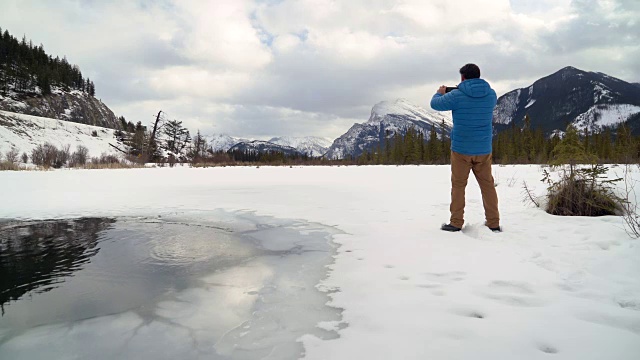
(313, 67)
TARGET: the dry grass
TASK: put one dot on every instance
(582, 192)
(118, 165)
(576, 197)
(9, 166)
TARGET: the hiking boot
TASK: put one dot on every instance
(449, 227)
(495, 229)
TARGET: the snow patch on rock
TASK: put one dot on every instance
(602, 115)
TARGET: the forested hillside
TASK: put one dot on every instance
(25, 67)
(33, 82)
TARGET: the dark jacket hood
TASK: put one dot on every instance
(475, 88)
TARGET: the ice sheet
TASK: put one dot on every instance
(183, 286)
(547, 287)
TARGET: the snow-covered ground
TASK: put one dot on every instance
(25, 132)
(547, 287)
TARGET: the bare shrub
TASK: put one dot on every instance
(629, 205)
(529, 197)
(25, 157)
(64, 155)
(45, 155)
(79, 157)
(120, 165)
(12, 155)
(109, 159)
(172, 160)
(582, 192)
(105, 159)
(37, 155)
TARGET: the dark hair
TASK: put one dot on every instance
(470, 71)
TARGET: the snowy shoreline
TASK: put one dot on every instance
(547, 285)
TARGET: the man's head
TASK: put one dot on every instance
(470, 71)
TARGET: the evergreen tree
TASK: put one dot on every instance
(570, 150)
(27, 68)
(177, 137)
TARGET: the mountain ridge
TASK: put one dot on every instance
(586, 99)
(313, 146)
(262, 146)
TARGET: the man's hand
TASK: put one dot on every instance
(442, 90)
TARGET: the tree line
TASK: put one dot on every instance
(141, 144)
(515, 145)
(25, 67)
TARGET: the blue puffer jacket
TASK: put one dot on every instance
(472, 106)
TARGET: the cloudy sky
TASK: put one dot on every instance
(262, 68)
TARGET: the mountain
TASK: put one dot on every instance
(26, 132)
(260, 146)
(587, 99)
(387, 118)
(222, 142)
(69, 105)
(311, 145)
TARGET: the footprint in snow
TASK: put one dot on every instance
(547, 349)
(429, 286)
(477, 231)
(447, 276)
(515, 300)
(631, 324)
(513, 293)
(474, 314)
(389, 266)
(511, 286)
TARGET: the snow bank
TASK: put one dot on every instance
(25, 132)
(546, 286)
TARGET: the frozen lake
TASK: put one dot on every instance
(215, 284)
(546, 287)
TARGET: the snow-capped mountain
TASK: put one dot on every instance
(387, 118)
(73, 105)
(222, 142)
(587, 99)
(311, 145)
(26, 132)
(260, 146)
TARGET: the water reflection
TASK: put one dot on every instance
(36, 256)
(213, 285)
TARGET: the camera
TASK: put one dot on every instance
(450, 88)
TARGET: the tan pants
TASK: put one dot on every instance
(481, 166)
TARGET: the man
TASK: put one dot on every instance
(472, 106)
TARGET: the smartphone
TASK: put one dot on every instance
(449, 88)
